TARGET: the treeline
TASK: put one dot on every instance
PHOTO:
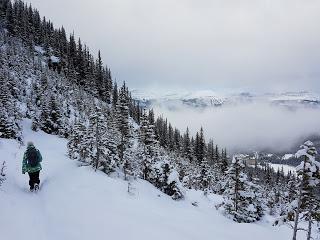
(24, 22)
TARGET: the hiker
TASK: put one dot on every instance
(31, 165)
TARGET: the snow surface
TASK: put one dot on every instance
(287, 156)
(78, 203)
(286, 168)
(39, 49)
(55, 59)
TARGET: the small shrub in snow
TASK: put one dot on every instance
(164, 177)
(2, 172)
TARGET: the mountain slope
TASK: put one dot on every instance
(65, 92)
(78, 203)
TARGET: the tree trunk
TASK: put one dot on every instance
(296, 220)
(236, 189)
(97, 145)
(309, 224)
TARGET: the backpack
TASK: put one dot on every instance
(32, 157)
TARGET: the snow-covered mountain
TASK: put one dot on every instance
(110, 169)
(208, 98)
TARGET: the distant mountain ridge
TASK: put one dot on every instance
(208, 99)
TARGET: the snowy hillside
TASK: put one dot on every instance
(77, 203)
(112, 169)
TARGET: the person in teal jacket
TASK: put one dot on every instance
(32, 165)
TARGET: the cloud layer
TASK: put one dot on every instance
(255, 126)
(199, 44)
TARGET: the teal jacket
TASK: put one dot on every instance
(26, 167)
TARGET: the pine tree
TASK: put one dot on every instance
(55, 116)
(170, 138)
(200, 146)
(210, 153)
(223, 163)
(100, 83)
(205, 176)
(80, 64)
(96, 131)
(77, 147)
(123, 112)
(9, 114)
(112, 140)
(308, 206)
(143, 127)
(108, 85)
(187, 149)
(146, 166)
(115, 95)
(241, 200)
(161, 174)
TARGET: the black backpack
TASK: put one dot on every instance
(32, 157)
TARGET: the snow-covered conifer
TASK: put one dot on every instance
(241, 197)
(307, 205)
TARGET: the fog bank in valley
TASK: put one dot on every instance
(254, 126)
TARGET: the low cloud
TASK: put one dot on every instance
(255, 126)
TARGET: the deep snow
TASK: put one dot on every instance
(76, 203)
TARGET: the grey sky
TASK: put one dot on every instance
(259, 44)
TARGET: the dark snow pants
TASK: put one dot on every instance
(34, 179)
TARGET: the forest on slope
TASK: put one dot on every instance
(56, 82)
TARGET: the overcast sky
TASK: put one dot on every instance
(248, 126)
(199, 44)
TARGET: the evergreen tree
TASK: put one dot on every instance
(55, 116)
(115, 95)
(241, 200)
(307, 205)
(96, 131)
(9, 114)
(223, 163)
(77, 145)
(123, 112)
(200, 146)
(187, 149)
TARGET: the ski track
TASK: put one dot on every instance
(76, 203)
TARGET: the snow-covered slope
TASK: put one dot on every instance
(77, 203)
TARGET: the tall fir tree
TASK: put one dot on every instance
(241, 201)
